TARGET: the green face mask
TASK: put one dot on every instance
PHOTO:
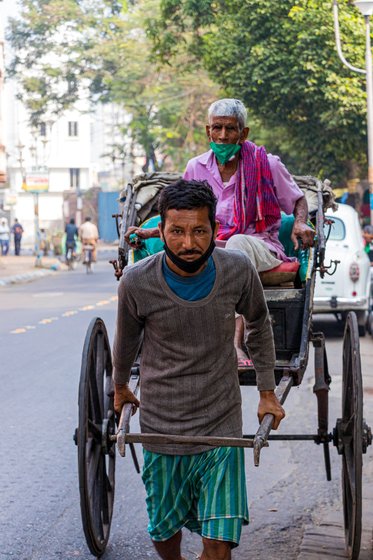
(224, 152)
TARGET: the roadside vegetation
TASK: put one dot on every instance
(164, 61)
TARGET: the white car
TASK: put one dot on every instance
(348, 289)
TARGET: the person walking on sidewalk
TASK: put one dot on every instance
(4, 237)
(181, 304)
(17, 231)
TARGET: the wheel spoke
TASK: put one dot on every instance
(95, 399)
(95, 431)
(350, 469)
(106, 488)
(96, 501)
(99, 369)
(349, 427)
(93, 463)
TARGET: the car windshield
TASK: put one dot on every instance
(337, 230)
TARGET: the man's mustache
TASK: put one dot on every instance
(190, 252)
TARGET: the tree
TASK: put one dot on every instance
(280, 59)
(67, 50)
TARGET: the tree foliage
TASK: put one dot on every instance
(98, 49)
(280, 59)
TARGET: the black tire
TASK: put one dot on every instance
(88, 262)
(351, 434)
(96, 452)
(69, 258)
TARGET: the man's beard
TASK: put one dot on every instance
(189, 266)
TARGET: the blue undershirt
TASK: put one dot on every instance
(190, 288)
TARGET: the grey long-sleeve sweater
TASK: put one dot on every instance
(189, 382)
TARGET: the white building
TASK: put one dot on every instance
(56, 156)
(65, 156)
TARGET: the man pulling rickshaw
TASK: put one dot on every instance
(181, 305)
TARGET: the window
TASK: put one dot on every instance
(74, 178)
(73, 128)
(337, 230)
(43, 129)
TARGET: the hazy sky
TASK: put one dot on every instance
(8, 8)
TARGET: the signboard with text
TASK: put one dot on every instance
(36, 181)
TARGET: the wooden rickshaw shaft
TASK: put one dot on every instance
(259, 441)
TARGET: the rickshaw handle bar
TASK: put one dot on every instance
(191, 440)
(123, 428)
(260, 440)
(125, 417)
(261, 436)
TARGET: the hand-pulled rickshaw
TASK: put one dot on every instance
(290, 305)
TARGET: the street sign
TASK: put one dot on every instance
(36, 181)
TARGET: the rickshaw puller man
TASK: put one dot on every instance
(180, 304)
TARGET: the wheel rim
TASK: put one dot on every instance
(96, 453)
(352, 435)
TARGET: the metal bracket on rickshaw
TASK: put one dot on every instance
(325, 269)
(321, 221)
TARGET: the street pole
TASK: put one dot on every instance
(37, 230)
(369, 86)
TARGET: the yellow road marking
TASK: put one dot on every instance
(47, 321)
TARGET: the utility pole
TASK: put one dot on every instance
(3, 175)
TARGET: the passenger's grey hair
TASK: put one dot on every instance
(228, 108)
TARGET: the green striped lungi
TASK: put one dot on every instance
(205, 492)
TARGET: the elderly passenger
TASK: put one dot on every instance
(252, 187)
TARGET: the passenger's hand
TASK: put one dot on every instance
(304, 233)
(123, 395)
(141, 234)
(269, 404)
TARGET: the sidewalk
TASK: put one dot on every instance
(14, 269)
(25, 268)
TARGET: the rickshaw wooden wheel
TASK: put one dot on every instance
(96, 452)
(351, 437)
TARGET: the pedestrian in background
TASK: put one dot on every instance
(4, 236)
(17, 231)
(368, 241)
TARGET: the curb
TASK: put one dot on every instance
(27, 277)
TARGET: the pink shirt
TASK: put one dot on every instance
(205, 168)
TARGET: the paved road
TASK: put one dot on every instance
(42, 329)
